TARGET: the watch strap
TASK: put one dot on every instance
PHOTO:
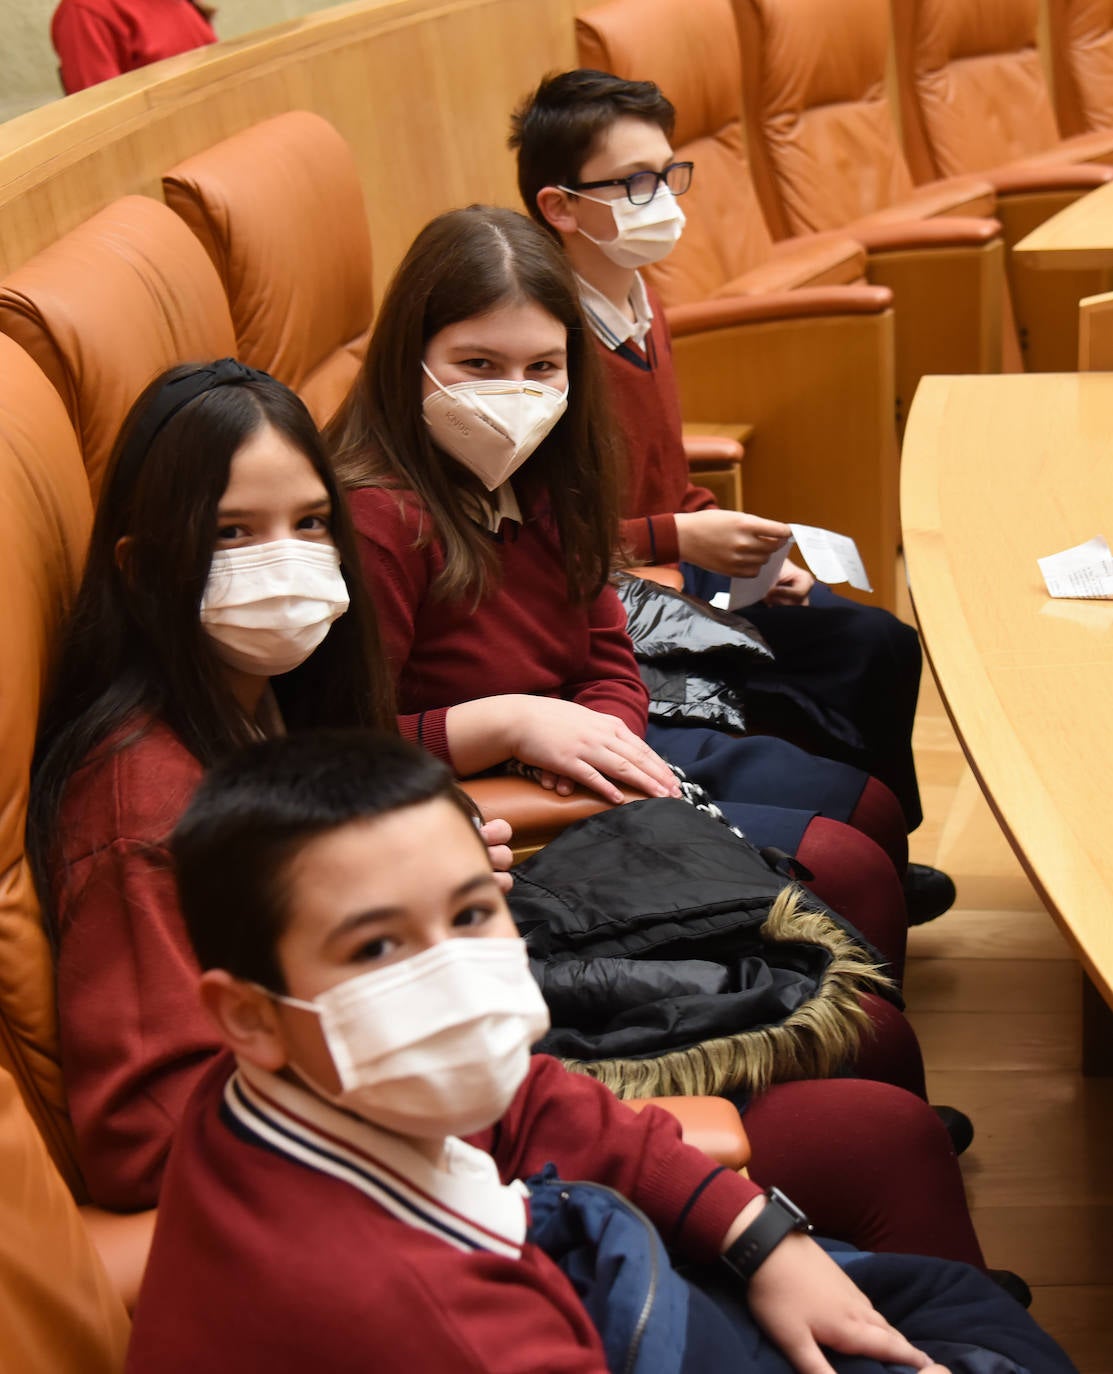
(777, 1219)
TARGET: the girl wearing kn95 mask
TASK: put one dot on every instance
(409, 1188)
(481, 467)
(221, 602)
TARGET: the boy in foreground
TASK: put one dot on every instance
(322, 1208)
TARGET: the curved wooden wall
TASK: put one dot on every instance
(421, 89)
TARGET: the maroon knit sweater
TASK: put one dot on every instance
(647, 407)
(262, 1263)
(524, 636)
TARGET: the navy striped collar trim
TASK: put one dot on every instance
(462, 1203)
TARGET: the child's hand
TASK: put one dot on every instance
(801, 1299)
(792, 588)
(728, 541)
(496, 835)
(572, 744)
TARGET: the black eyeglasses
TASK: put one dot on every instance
(641, 187)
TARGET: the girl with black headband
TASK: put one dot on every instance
(221, 602)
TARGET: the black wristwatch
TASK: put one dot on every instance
(777, 1219)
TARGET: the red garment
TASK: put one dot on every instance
(134, 1037)
(261, 1262)
(98, 39)
(524, 636)
(647, 405)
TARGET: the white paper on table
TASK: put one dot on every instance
(831, 557)
(1084, 571)
(745, 591)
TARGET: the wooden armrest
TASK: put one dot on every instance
(123, 1242)
(711, 1124)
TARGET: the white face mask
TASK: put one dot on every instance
(436, 1045)
(646, 233)
(491, 427)
(268, 606)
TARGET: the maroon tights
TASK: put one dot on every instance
(870, 1163)
(855, 877)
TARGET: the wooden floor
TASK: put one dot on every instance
(994, 995)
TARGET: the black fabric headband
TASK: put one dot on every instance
(179, 391)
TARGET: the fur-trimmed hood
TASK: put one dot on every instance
(675, 960)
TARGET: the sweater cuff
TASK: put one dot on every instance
(651, 539)
(429, 730)
(712, 1199)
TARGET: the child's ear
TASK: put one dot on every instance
(246, 1019)
(556, 207)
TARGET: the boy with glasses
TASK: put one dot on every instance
(597, 169)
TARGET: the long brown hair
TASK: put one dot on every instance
(464, 264)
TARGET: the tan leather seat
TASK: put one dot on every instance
(974, 100)
(973, 93)
(1081, 34)
(786, 336)
(108, 307)
(59, 1313)
(280, 212)
(45, 516)
(825, 155)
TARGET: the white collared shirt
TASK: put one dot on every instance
(611, 325)
(461, 1199)
(499, 505)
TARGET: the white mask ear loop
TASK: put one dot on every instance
(433, 379)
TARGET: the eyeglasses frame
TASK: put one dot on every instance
(662, 180)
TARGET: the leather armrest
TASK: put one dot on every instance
(947, 232)
(711, 1124)
(698, 317)
(712, 448)
(123, 1242)
(966, 197)
(535, 814)
(663, 573)
(1050, 176)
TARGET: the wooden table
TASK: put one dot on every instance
(1077, 237)
(997, 471)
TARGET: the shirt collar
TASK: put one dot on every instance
(461, 1200)
(609, 324)
(499, 505)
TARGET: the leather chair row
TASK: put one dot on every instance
(802, 86)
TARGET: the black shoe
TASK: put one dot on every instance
(1012, 1284)
(959, 1127)
(928, 892)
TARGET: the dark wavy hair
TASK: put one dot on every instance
(256, 811)
(555, 129)
(464, 264)
(134, 647)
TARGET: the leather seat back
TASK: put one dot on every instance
(1081, 34)
(45, 517)
(823, 144)
(973, 93)
(280, 212)
(691, 51)
(58, 1311)
(109, 306)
